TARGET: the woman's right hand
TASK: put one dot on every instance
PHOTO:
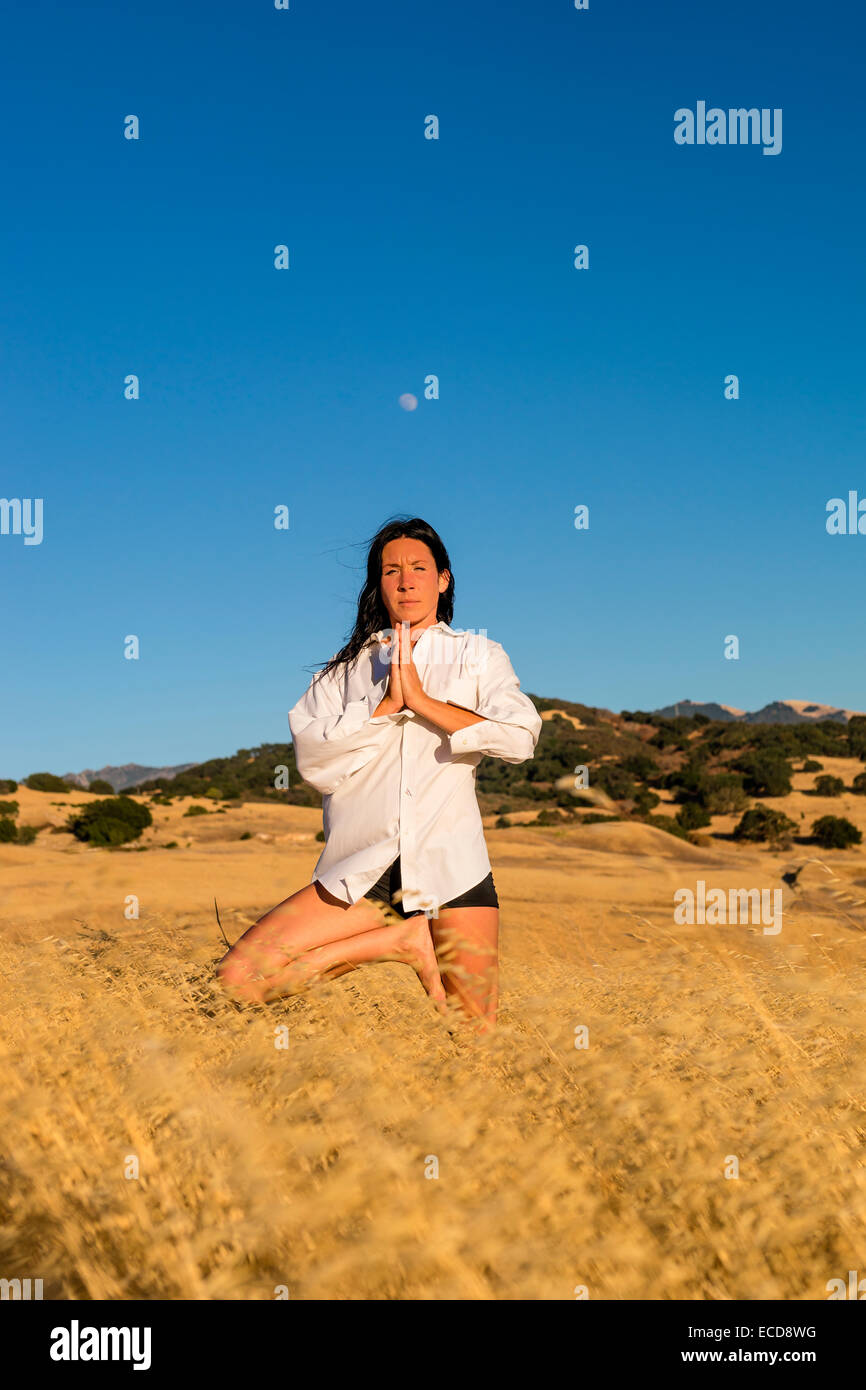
(393, 700)
(395, 688)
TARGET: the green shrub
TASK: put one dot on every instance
(835, 832)
(100, 785)
(172, 844)
(689, 782)
(197, 811)
(8, 830)
(692, 816)
(47, 782)
(596, 818)
(717, 794)
(321, 835)
(247, 835)
(568, 800)
(762, 824)
(857, 736)
(641, 766)
(27, 834)
(644, 801)
(112, 821)
(503, 823)
(670, 827)
(765, 774)
(614, 780)
(859, 783)
(811, 765)
(8, 784)
(8, 808)
(829, 786)
(214, 794)
(724, 794)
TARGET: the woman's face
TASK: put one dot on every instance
(410, 586)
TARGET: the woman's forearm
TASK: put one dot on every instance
(446, 716)
(438, 712)
(386, 706)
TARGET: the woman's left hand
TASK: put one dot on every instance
(410, 682)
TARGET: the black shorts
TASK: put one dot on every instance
(482, 895)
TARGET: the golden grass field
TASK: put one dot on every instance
(558, 1167)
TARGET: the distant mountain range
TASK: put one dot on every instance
(777, 712)
(122, 778)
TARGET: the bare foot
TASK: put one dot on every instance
(416, 946)
(468, 1025)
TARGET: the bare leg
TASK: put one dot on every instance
(313, 935)
(467, 949)
(403, 941)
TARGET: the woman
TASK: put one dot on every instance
(391, 731)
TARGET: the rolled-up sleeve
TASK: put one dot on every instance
(333, 740)
(511, 724)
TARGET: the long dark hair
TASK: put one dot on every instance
(372, 613)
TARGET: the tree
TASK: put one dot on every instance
(765, 774)
(645, 801)
(669, 825)
(641, 766)
(112, 821)
(829, 786)
(47, 782)
(857, 736)
(835, 832)
(762, 823)
(724, 794)
(691, 816)
(611, 778)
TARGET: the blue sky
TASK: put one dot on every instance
(408, 256)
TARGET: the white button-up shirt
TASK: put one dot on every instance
(398, 784)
